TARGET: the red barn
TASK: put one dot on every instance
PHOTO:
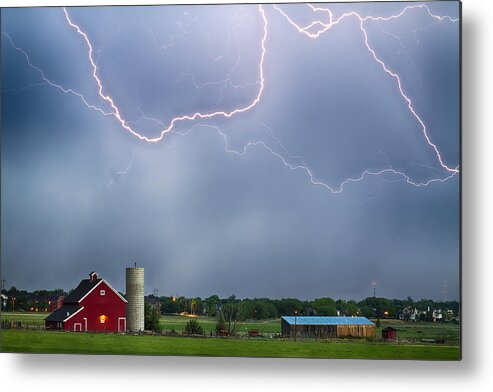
(389, 333)
(94, 306)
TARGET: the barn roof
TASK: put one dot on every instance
(81, 290)
(85, 287)
(326, 320)
(63, 313)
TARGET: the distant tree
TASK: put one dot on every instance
(367, 311)
(287, 306)
(351, 308)
(182, 304)
(59, 292)
(211, 305)
(228, 318)
(347, 308)
(12, 291)
(151, 318)
(258, 309)
(193, 327)
(324, 306)
(378, 306)
(197, 306)
(169, 305)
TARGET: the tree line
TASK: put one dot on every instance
(256, 308)
(265, 308)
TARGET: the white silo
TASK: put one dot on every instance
(135, 298)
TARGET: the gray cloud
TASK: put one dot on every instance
(202, 220)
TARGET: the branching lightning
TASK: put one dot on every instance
(197, 115)
(51, 83)
(331, 23)
(323, 23)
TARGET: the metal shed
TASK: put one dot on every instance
(326, 327)
(389, 333)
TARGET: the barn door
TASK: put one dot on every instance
(122, 324)
(78, 327)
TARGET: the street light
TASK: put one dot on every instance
(295, 314)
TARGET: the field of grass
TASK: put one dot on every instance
(418, 331)
(177, 323)
(26, 318)
(409, 331)
(85, 343)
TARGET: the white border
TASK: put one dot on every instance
(23, 372)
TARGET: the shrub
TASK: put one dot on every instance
(193, 328)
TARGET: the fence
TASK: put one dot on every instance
(14, 324)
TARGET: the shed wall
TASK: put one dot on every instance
(326, 331)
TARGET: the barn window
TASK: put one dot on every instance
(102, 292)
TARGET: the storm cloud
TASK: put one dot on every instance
(226, 205)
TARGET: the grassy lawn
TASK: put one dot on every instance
(416, 331)
(177, 323)
(31, 318)
(84, 343)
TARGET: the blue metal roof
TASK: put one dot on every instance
(326, 320)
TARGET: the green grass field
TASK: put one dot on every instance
(414, 331)
(83, 343)
(418, 331)
(26, 318)
(177, 323)
(411, 335)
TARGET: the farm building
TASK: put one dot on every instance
(326, 327)
(389, 333)
(92, 306)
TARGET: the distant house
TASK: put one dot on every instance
(4, 301)
(93, 306)
(326, 327)
(56, 303)
(409, 314)
(437, 315)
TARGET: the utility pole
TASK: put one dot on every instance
(374, 288)
(295, 314)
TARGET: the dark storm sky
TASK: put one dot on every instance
(79, 193)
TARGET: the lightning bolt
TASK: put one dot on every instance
(326, 26)
(312, 30)
(190, 117)
(121, 173)
(51, 83)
